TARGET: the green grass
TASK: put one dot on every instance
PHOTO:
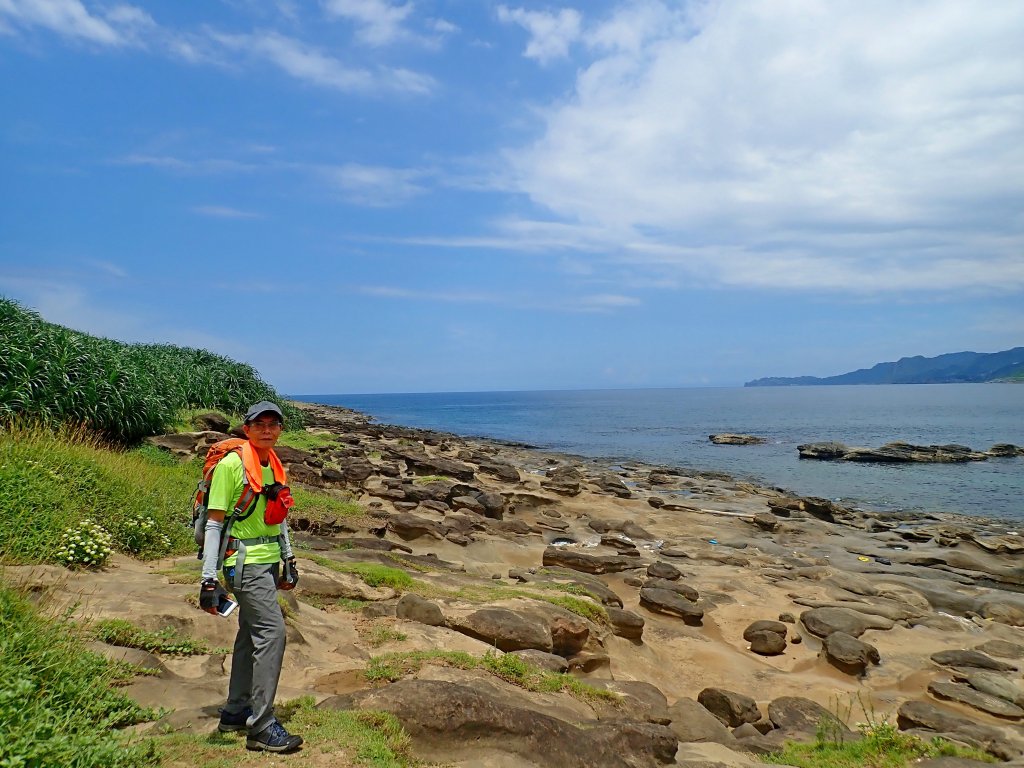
(373, 574)
(167, 641)
(320, 506)
(390, 667)
(54, 480)
(380, 635)
(53, 375)
(488, 592)
(428, 479)
(332, 737)
(57, 703)
(882, 746)
(304, 440)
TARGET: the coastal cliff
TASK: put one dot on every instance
(513, 607)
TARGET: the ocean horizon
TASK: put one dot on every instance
(670, 426)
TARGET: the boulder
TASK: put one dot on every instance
(410, 527)
(766, 521)
(728, 438)
(324, 582)
(660, 570)
(626, 623)
(692, 722)
(680, 588)
(672, 604)
(970, 659)
(965, 694)
(564, 481)
(504, 629)
(500, 470)
(613, 484)
(822, 451)
(731, 708)
(824, 621)
(449, 716)
(581, 561)
(211, 421)
(569, 635)
(765, 625)
(412, 607)
(766, 643)
(800, 718)
(926, 716)
(1002, 648)
(542, 660)
(997, 685)
(848, 654)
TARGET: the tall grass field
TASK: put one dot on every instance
(124, 392)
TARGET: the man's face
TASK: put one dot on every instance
(263, 431)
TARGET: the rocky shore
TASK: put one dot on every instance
(727, 617)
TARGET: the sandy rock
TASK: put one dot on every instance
(660, 570)
(848, 654)
(581, 561)
(564, 481)
(504, 629)
(824, 621)
(799, 718)
(626, 623)
(710, 755)
(412, 607)
(671, 603)
(728, 438)
(927, 716)
(692, 722)
(766, 643)
(970, 659)
(411, 527)
(680, 588)
(443, 718)
(548, 661)
(965, 694)
(729, 707)
(996, 684)
(324, 582)
(1002, 648)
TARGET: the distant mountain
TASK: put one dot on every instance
(954, 368)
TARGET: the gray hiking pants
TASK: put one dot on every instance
(259, 647)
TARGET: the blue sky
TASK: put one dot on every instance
(438, 195)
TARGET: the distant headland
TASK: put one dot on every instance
(953, 368)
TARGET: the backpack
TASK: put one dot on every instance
(243, 507)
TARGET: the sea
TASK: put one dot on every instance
(671, 427)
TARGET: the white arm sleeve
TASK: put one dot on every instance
(211, 548)
(286, 542)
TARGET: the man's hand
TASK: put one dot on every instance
(210, 593)
(289, 575)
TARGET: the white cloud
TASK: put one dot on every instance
(379, 21)
(869, 146)
(551, 33)
(224, 212)
(307, 63)
(70, 18)
(376, 186)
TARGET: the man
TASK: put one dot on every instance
(256, 548)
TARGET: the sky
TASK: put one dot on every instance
(361, 196)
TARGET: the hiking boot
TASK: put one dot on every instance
(274, 738)
(234, 722)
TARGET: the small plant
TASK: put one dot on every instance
(140, 535)
(428, 479)
(167, 641)
(380, 635)
(373, 574)
(88, 545)
(390, 667)
(881, 745)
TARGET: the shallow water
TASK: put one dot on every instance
(671, 426)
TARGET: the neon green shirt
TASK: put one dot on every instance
(225, 490)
